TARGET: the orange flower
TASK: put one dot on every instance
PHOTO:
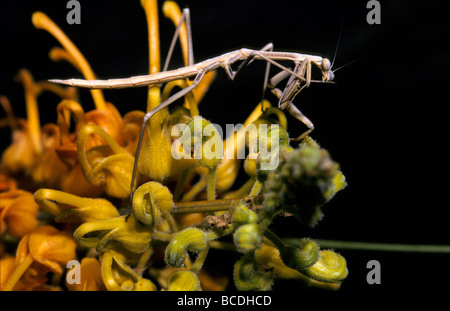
(90, 278)
(22, 154)
(43, 250)
(18, 212)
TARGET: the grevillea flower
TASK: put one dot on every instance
(70, 208)
(27, 146)
(82, 168)
(90, 278)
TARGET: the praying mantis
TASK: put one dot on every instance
(299, 77)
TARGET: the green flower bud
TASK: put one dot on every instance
(189, 239)
(249, 275)
(304, 181)
(183, 281)
(151, 201)
(331, 267)
(302, 257)
(247, 238)
(242, 215)
(206, 141)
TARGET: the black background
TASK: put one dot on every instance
(383, 120)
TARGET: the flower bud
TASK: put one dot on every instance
(183, 281)
(247, 238)
(206, 141)
(151, 201)
(189, 239)
(249, 275)
(302, 257)
(331, 267)
(243, 215)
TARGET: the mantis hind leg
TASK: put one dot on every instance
(151, 113)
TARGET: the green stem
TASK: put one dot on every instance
(196, 189)
(198, 264)
(203, 206)
(274, 239)
(242, 191)
(387, 247)
(226, 246)
(257, 186)
(211, 184)
(163, 236)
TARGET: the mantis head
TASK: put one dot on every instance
(327, 73)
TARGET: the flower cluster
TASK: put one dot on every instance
(64, 190)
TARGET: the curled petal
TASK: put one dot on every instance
(189, 239)
(118, 276)
(111, 166)
(125, 231)
(302, 257)
(249, 275)
(269, 257)
(151, 201)
(331, 267)
(74, 209)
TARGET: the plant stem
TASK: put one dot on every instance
(256, 188)
(203, 206)
(226, 246)
(274, 239)
(386, 247)
(198, 264)
(199, 186)
(212, 184)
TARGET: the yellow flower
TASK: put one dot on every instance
(151, 201)
(118, 276)
(70, 208)
(269, 257)
(123, 231)
(109, 166)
